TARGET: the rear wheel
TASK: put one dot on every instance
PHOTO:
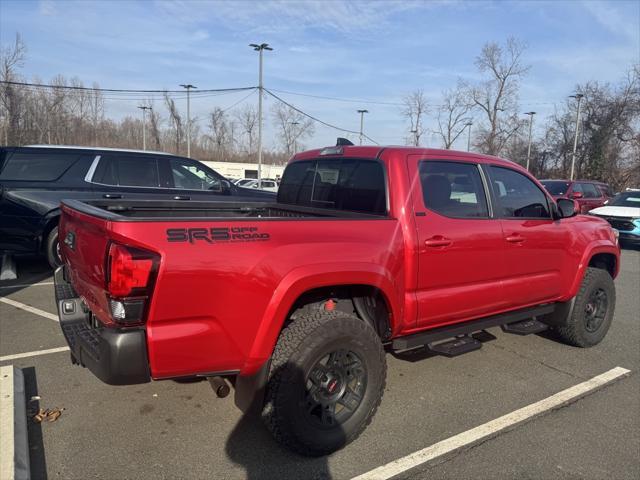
(589, 320)
(52, 249)
(326, 380)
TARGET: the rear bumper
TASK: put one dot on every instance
(115, 356)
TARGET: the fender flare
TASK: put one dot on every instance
(302, 279)
(595, 248)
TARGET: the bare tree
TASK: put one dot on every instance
(11, 58)
(292, 127)
(219, 129)
(248, 121)
(415, 108)
(497, 96)
(453, 115)
(175, 121)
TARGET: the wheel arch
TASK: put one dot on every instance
(601, 255)
(309, 283)
(50, 221)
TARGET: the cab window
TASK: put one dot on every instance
(517, 196)
(453, 189)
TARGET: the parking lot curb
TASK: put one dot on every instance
(14, 444)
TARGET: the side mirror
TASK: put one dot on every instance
(577, 195)
(567, 208)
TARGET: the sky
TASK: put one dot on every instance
(372, 53)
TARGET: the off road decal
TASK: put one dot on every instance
(216, 234)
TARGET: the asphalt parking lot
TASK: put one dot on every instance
(181, 430)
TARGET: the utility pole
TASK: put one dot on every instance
(415, 137)
(362, 112)
(531, 114)
(260, 48)
(144, 125)
(577, 96)
(468, 125)
(188, 87)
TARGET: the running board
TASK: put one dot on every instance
(451, 331)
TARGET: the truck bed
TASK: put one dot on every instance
(161, 210)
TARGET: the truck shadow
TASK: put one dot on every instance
(30, 270)
(251, 446)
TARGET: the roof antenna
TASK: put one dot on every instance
(341, 142)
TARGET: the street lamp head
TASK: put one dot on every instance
(262, 46)
(468, 124)
(363, 111)
(577, 96)
(187, 86)
(529, 113)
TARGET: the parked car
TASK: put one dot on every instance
(623, 213)
(268, 185)
(587, 193)
(34, 179)
(367, 249)
(241, 182)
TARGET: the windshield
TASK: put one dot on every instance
(628, 199)
(555, 187)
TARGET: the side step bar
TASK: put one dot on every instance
(451, 331)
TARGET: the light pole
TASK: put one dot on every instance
(144, 125)
(188, 87)
(468, 125)
(362, 112)
(577, 96)
(259, 49)
(531, 114)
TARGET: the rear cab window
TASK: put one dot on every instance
(349, 184)
(127, 171)
(453, 189)
(589, 190)
(37, 166)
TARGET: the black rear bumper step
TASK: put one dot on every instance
(452, 331)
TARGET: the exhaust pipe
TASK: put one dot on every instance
(220, 386)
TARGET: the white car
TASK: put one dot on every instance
(241, 182)
(623, 213)
(267, 185)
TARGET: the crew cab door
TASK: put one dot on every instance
(460, 245)
(535, 245)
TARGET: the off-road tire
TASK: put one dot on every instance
(300, 346)
(574, 329)
(52, 249)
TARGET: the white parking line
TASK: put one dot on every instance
(30, 309)
(492, 428)
(25, 285)
(33, 354)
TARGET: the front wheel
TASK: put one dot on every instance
(52, 249)
(589, 320)
(326, 381)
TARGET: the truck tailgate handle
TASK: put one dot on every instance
(182, 197)
(112, 195)
(438, 241)
(515, 238)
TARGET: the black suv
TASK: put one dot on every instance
(34, 179)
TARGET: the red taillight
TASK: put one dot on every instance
(129, 269)
(130, 276)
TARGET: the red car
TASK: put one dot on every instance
(367, 250)
(589, 194)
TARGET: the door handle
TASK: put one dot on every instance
(438, 241)
(515, 238)
(112, 195)
(182, 197)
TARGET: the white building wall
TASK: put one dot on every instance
(235, 170)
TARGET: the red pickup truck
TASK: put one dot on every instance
(367, 250)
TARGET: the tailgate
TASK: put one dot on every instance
(83, 241)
